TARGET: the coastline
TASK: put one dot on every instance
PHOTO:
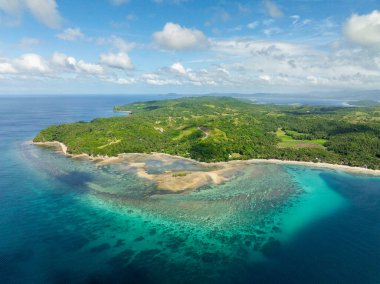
(123, 111)
(213, 173)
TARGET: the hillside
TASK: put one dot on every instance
(222, 128)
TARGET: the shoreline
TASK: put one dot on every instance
(181, 181)
(104, 160)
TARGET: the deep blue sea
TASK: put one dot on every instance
(68, 221)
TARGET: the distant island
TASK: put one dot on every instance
(215, 129)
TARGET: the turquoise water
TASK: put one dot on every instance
(68, 221)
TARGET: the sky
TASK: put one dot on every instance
(188, 46)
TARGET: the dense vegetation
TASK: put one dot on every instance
(222, 128)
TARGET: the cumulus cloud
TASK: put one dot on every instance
(7, 68)
(272, 9)
(118, 56)
(26, 64)
(364, 29)
(60, 66)
(71, 34)
(119, 60)
(175, 37)
(155, 79)
(69, 63)
(288, 65)
(90, 68)
(178, 68)
(64, 61)
(177, 74)
(32, 62)
(45, 11)
(247, 47)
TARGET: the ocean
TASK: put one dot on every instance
(68, 221)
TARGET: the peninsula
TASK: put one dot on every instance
(222, 129)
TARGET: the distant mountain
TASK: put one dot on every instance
(372, 95)
(349, 95)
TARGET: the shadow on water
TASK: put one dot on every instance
(76, 180)
(362, 191)
(343, 248)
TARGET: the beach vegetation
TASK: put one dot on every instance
(212, 129)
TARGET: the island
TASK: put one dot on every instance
(220, 133)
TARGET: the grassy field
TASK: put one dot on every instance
(288, 141)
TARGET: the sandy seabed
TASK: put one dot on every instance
(211, 173)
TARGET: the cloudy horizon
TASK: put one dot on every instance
(188, 46)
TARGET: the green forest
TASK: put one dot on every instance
(213, 129)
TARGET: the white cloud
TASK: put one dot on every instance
(364, 29)
(272, 9)
(265, 78)
(178, 68)
(26, 64)
(247, 47)
(64, 61)
(279, 66)
(32, 62)
(175, 37)
(121, 44)
(177, 74)
(10, 7)
(272, 31)
(155, 79)
(60, 67)
(121, 81)
(117, 43)
(7, 68)
(252, 25)
(27, 42)
(10, 12)
(45, 11)
(306, 21)
(71, 34)
(90, 68)
(295, 19)
(284, 65)
(119, 60)
(70, 64)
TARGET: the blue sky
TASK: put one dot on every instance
(188, 46)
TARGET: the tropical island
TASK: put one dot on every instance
(223, 129)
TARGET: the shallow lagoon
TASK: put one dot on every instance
(66, 220)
